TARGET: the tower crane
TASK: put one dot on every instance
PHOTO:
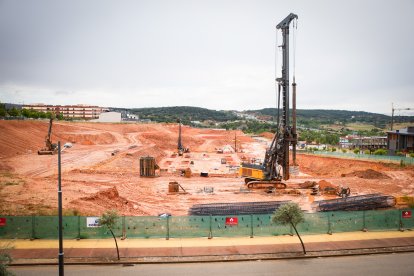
(392, 113)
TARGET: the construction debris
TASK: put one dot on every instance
(239, 208)
(357, 203)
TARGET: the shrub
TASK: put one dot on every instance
(356, 151)
(367, 152)
(344, 150)
(380, 152)
(333, 149)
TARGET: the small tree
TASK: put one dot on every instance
(5, 259)
(108, 219)
(290, 213)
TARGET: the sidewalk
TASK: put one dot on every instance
(203, 249)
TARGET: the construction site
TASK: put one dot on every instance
(151, 169)
(101, 170)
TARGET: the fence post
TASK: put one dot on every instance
(33, 228)
(364, 227)
(210, 233)
(123, 228)
(251, 226)
(79, 227)
(168, 228)
(329, 224)
(401, 222)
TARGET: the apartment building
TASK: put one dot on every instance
(79, 111)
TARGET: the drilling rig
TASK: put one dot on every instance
(180, 147)
(275, 166)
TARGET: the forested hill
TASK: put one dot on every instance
(322, 116)
(305, 117)
(185, 113)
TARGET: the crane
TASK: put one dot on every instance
(275, 166)
(392, 113)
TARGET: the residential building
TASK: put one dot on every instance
(371, 143)
(401, 140)
(79, 111)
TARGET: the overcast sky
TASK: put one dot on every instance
(352, 55)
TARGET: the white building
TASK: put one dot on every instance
(109, 117)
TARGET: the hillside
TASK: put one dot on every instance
(185, 113)
(317, 117)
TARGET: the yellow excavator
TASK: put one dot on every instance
(49, 148)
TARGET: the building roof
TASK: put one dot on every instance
(405, 131)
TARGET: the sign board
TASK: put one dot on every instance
(2, 221)
(406, 214)
(232, 221)
(92, 222)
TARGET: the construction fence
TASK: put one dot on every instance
(403, 160)
(77, 227)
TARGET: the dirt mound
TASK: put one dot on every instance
(106, 200)
(103, 138)
(367, 174)
(323, 184)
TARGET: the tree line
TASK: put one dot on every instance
(26, 113)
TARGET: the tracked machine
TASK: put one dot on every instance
(180, 148)
(275, 166)
(49, 148)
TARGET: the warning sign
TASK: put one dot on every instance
(232, 221)
(2, 221)
(406, 214)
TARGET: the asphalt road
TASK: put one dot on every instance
(389, 264)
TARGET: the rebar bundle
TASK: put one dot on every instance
(239, 208)
(357, 203)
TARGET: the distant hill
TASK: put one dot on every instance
(315, 117)
(185, 113)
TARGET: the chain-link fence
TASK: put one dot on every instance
(46, 227)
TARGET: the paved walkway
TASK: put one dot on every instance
(203, 249)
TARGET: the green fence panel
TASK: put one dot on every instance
(382, 220)
(408, 220)
(344, 221)
(191, 226)
(315, 223)
(16, 227)
(146, 227)
(221, 229)
(386, 158)
(263, 226)
(87, 232)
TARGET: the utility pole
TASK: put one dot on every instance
(61, 264)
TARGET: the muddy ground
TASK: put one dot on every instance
(94, 179)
